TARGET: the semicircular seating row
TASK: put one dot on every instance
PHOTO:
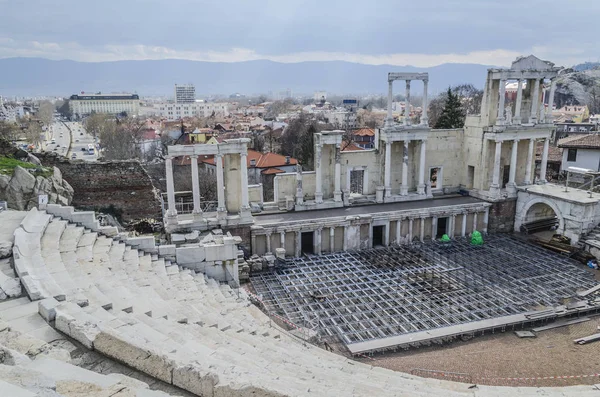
(187, 330)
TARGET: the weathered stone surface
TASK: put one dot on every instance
(10, 287)
(22, 189)
(33, 160)
(194, 379)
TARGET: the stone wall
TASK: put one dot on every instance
(124, 185)
(502, 216)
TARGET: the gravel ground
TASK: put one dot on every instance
(551, 353)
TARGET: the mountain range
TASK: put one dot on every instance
(37, 76)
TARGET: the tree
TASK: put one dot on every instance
(45, 112)
(8, 130)
(120, 139)
(33, 133)
(96, 122)
(298, 141)
(64, 109)
(452, 115)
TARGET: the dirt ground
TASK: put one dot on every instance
(487, 359)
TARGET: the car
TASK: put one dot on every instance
(83, 149)
(81, 133)
(55, 148)
(57, 145)
(74, 156)
(76, 140)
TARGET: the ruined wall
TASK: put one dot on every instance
(502, 216)
(444, 149)
(99, 185)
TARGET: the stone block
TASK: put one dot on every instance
(144, 242)
(135, 354)
(47, 309)
(8, 389)
(190, 255)
(166, 249)
(77, 325)
(280, 253)
(177, 238)
(195, 379)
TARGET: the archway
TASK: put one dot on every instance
(539, 208)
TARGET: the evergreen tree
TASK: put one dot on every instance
(452, 115)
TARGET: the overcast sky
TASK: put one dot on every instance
(398, 32)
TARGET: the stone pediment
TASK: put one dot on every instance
(531, 62)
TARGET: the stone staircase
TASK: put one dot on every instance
(187, 330)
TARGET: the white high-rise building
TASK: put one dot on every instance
(185, 93)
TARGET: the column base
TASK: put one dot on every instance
(346, 197)
(511, 187)
(541, 182)
(221, 214)
(533, 120)
(421, 189)
(388, 191)
(404, 190)
(425, 121)
(245, 214)
(495, 190)
(337, 196)
(379, 194)
(319, 198)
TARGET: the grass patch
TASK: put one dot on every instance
(8, 165)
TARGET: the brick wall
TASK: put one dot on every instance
(125, 185)
(502, 216)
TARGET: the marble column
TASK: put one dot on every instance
(502, 92)
(495, 187)
(386, 241)
(407, 104)
(298, 245)
(424, 118)
(486, 217)
(434, 223)
(387, 176)
(268, 237)
(318, 241)
(220, 184)
(370, 242)
(345, 239)
(518, 105)
(421, 186)
(404, 187)
(337, 190)
(549, 118)
(332, 239)
(410, 229)
(398, 231)
(244, 181)
(422, 230)
(544, 164)
(529, 164)
(299, 188)
(474, 222)
(512, 186)
(390, 118)
(463, 231)
(535, 99)
(253, 242)
(318, 175)
(282, 240)
(452, 225)
(172, 211)
(195, 185)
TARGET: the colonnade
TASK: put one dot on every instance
(545, 116)
(388, 168)
(407, 77)
(511, 185)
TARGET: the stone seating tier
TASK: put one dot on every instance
(189, 331)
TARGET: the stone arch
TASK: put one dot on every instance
(539, 201)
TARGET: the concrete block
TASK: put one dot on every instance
(144, 242)
(47, 309)
(280, 253)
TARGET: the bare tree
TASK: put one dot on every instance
(8, 130)
(33, 133)
(120, 139)
(298, 140)
(45, 112)
(96, 122)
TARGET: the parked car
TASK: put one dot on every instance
(74, 156)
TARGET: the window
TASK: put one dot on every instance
(435, 177)
(572, 155)
(356, 181)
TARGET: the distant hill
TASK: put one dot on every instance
(36, 76)
(586, 66)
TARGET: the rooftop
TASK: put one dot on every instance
(591, 141)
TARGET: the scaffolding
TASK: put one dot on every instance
(400, 290)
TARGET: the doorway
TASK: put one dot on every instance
(378, 235)
(442, 226)
(307, 243)
(505, 175)
(470, 177)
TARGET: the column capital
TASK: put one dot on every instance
(193, 156)
(218, 155)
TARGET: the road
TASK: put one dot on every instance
(71, 132)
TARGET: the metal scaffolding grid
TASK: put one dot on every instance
(384, 292)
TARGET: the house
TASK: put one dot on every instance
(364, 137)
(571, 113)
(262, 168)
(200, 135)
(581, 151)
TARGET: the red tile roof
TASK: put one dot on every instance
(591, 141)
(351, 147)
(364, 132)
(272, 171)
(554, 153)
(263, 160)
